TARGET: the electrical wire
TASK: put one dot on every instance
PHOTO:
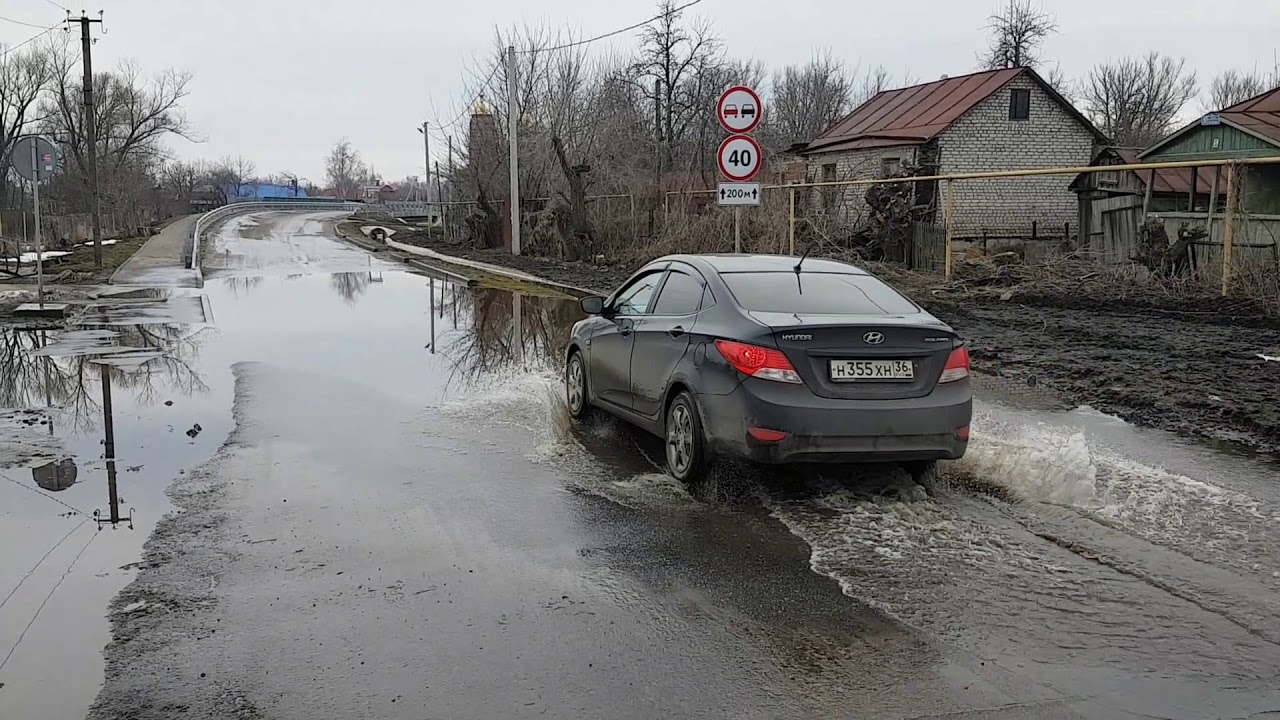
(19, 22)
(467, 109)
(629, 28)
(46, 600)
(31, 39)
(58, 5)
(40, 562)
(24, 486)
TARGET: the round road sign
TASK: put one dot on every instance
(739, 157)
(45, 157)
(739, 109)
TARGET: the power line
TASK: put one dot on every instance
(58, 5)
(31, 39)
(46, 600)
(629, 28)
(41, 562)
(19, 22)
(467, 109)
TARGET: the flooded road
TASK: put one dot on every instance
(382, 511)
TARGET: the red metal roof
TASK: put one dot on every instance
(913, 114)
(1169, 181)
(1172, 180)
(1259, 115)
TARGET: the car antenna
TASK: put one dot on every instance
(802, 257)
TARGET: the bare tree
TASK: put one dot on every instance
(1137, 100)
(344, 170)
(25, 75)
(1232, 87)
(807, 99)
(673, 56)
(133, 116)
(1015, 32)
(231, 174)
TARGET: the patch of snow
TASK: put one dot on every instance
(1269, 358)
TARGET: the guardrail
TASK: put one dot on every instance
(191, 249)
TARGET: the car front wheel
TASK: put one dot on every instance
(575, 385)
(686, 443)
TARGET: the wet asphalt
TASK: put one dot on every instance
(385, 513)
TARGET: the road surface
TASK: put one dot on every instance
(386, 514)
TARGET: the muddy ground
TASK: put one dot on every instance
(1192, 365)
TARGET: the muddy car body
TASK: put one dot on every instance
(774, 359)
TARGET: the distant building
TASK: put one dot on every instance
(264, 191)
(486, 153)
(1008, 119)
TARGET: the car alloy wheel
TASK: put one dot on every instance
(680, 440)
(576, 386)
(687, 460)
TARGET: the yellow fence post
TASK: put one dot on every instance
(948, 215)
(791, 225)
(1229, 224)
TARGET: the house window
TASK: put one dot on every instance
(1019, 104)
(890, 167)
(828, 193)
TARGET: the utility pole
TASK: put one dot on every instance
(439, 187)
(512, 124)
(91, 128)
(426, 154)
(450, 167)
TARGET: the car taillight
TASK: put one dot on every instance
(761, 362)
(957, 366)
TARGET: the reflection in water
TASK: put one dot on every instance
(109, 454)
(509, 330)
(351, 285)
(56, 475)
(35, 371)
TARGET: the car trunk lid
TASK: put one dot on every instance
(861, 347)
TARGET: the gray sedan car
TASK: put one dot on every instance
(774, 359)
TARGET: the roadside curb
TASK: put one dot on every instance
(458, 262)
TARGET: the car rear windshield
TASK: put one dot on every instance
(817, 293)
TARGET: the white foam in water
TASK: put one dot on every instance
(1039, 462)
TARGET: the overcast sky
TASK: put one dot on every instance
(279, 81)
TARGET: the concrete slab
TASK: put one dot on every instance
(46, 310)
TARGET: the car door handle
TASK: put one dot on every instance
(676, 331)
(625, 330)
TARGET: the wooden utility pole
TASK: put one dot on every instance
(91, 128)
(513, 123)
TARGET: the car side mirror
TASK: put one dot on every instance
(592, 305)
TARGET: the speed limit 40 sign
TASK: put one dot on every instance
(739, 158)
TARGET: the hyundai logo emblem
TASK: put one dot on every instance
(873, 338)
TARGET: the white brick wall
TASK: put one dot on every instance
(985, 139)
(848, 202)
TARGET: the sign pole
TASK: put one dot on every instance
(737, 229)
(35, 199)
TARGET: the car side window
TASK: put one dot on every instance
(680, 295)
(634, 299)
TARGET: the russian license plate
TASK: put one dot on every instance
(842, 370)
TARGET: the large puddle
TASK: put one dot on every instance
(1068, 541)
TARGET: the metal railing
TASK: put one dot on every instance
(191, 250)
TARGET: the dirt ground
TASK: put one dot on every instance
(1192, 365)
(79, 267)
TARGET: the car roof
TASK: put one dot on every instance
(731, 263)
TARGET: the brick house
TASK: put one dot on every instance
(1007, 119)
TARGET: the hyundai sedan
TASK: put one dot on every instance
(774, 359)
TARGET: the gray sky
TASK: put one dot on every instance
(279, 81)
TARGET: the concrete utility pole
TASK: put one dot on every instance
(512, 124)
(426, 154)
(91, 128)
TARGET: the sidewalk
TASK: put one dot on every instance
(159, 262)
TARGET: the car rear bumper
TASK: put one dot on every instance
(934, 427)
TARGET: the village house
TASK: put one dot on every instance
(1114, 204)
(1008, 119)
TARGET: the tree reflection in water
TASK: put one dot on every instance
(66, 383)
(508, 330)
(350, 285)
